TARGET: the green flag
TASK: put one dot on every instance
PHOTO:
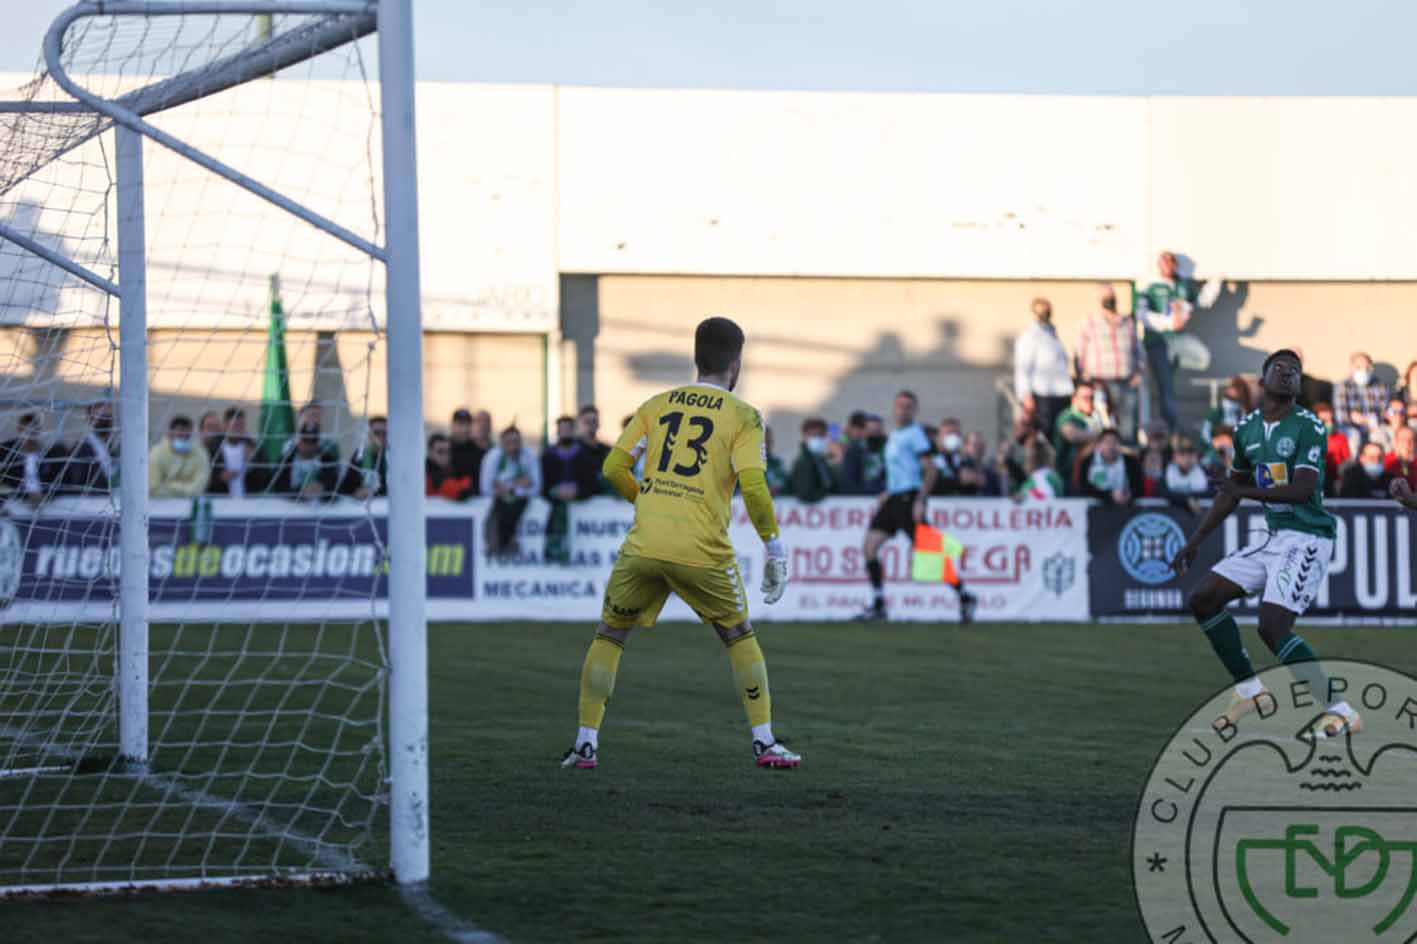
(277, 415)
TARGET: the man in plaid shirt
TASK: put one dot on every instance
(1109, 356)
(1359, 400)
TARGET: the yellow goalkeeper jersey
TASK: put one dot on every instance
(696, 439)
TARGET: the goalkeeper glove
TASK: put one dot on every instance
(774, 571)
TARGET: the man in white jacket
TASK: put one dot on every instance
(1042, 379)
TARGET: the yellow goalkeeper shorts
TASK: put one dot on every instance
(638, 587)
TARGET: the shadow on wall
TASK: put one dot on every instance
(1225, 327)
(879, 368)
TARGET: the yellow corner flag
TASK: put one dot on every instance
(934, 557)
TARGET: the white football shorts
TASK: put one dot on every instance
(1289, 566)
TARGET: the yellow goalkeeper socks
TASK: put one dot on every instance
(750, 672)
(598, 679)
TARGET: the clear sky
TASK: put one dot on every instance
(1113, 47)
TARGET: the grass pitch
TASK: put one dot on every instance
(958, 784)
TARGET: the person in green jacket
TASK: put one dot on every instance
(1076, 427)
(812, 478)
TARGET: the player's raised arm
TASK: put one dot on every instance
(749, 459)
(619, 465)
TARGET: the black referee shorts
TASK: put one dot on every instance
(897, 513)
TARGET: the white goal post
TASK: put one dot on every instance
(339, 799)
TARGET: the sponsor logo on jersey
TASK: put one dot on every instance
(1271, 474)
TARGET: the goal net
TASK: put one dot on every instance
(231, 726)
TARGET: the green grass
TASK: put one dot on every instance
(970, 785)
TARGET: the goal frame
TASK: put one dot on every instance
(407, 592)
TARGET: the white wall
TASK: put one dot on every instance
(520, 183)
(838, 184)
(984, 186)
(1287, 188)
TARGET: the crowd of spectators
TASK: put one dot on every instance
(218, 456)
(1084, 452)
(1076, 431)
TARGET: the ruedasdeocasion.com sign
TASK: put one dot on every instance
(252, 559)
(1257, 830)
(266, 559)
(1373, 573)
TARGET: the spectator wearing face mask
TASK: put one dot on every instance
(1106, 473)
(863, 467)
(949, 459)
(1359, 400)
(1235, 404)
(812, 478)
(1186, 482)
(178, 466)
(1339, 451)
(1363, 477)
(1401, 462)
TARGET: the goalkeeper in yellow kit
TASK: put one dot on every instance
(698, 440)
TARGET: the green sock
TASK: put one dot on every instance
(1294, 652)
(1224, 636)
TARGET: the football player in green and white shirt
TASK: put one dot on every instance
(1279, 460)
